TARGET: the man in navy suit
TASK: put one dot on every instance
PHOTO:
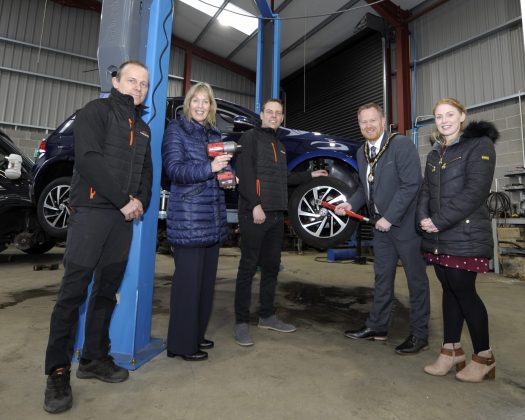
(390, 177)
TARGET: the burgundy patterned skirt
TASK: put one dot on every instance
(476, 264)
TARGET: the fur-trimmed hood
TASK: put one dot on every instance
(481, 129)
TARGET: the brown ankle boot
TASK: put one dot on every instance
(447, 359)
(483, 365)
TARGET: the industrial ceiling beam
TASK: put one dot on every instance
(243, 44)
(214, 58)
(211, 22)
(317, 28)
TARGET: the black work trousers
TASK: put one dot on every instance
(192, 291)
(98, 242)
(461, 303)
(260, 245)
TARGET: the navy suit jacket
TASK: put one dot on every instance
(397, 182)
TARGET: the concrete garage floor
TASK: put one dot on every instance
(314, 373)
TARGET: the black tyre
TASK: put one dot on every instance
(315, 225)
(39, 248)
(53, 207)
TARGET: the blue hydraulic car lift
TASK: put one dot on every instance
(142, 30)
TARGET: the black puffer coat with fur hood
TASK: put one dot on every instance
(455, 188)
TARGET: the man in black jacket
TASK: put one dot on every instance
(263, 199)
(111, 187)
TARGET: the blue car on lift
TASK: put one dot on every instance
(315, 225)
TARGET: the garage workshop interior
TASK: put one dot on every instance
(318, 78)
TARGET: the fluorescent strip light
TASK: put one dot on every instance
(245, 24)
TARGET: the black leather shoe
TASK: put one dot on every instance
(206, 344)
(195, 357)
(412, 345)
(367, 333)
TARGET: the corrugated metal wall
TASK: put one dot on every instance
(335, 88)
(473, 50)
(226, 84)
(48, 65)
(39, 87)
(469, 49)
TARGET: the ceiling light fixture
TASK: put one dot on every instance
(232, 15)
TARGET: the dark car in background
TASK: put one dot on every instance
(315, 225)
(18, 221)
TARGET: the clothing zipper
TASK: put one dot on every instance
(444, 164)
(132, 124)
(436, 250)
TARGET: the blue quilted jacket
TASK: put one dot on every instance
(196, 209)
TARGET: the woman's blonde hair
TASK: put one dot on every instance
(205, 88)
(436, 135)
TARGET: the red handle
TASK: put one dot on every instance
(349, 213)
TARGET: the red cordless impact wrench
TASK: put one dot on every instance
(225, 177)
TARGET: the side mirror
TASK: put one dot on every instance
(242, 123)
(14, 167)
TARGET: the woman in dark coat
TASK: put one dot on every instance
(196, 221)
(457, 234)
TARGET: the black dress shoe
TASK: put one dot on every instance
(195, 357)
(367, 333)
(206, 344)
(412, 345)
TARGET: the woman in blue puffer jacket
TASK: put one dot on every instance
(196, 221)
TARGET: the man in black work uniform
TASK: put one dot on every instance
(111, 187)
(263, 199)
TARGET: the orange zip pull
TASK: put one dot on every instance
(274, 152)
(130, 131)
(92, 193)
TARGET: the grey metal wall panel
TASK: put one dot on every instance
(47, 61)
(488, 63)
(33, 101)
(67, 28)
(46, 75)
(458, 20)
(177, 57)
(226, 84)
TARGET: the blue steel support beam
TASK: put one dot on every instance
(276, 74)
(130, 331)
(264, 9)
(259, 71)
(268, 48)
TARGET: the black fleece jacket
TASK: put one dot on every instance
(262, 171)
(455, 188)
(112, 154)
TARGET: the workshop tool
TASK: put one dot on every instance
(225, 177)
(349, 213)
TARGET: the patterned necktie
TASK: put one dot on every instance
(373, 152)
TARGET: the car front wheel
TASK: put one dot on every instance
(317, 226)
(53, 207)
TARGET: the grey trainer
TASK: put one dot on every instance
(241, 332)
(274, 323)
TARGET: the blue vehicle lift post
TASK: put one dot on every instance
(135, 29)
(267, 83)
